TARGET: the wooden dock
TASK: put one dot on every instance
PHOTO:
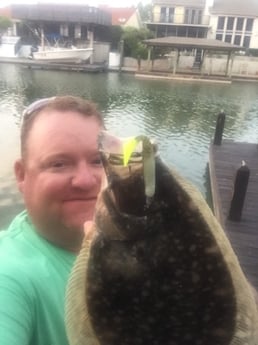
(224, 161)
(35, 64)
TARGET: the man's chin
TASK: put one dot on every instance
(76, 222)
(78, 211)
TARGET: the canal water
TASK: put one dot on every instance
(181, 116)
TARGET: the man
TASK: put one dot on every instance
(59, 174)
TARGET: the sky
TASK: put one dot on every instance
(112, 3)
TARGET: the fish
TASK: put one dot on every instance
(160, 269)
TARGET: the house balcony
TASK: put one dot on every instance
(177, 19)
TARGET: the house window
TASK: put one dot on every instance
(182, 31)
(221, 23)
(163, 14)
(193, 32)
(219, 37)
(246, 42)
(167, 14)
(171, 31)
(249, 24)
(161, 31)
(237, 40)
(240, 24)
(193, 16)
(230, 23)
(228, 38)
(171, 14)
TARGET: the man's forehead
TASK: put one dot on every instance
(58, 119)
(51, 128)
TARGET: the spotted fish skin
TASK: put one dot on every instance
(165, 274)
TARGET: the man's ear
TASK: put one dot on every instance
(19, 170)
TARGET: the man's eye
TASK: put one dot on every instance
(97, 161)
(58, 164)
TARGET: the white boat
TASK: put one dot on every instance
(75, 55)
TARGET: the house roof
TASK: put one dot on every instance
(5, 12)
(189, 42)
(242, 8)
(120, 16)
(61, 13)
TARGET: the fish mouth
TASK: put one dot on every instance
(132, 183)
(112, 154)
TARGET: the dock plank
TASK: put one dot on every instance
(224, 160)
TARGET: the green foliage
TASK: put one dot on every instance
(133, 45)
(160, 52)
(145, 12)
(5, 23)
(116, 33)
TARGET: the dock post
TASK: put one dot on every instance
(219, 128)
(240, 187)
(121, 51)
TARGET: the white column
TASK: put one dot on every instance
(77, 31)
(91, 39)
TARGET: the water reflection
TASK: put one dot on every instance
(181, 116)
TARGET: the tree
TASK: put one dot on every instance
(116, 33)
(5, 23)
(145, 12)
(133, 42)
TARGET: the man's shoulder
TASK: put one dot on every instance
(12, 266)
(20, 246)
(13, 247)
(15, 226)
(13, 236)
(23, 249)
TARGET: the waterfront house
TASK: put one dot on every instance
(235, 22)
(206, 40)
(182, 26)
(183, 18)
(78, 25)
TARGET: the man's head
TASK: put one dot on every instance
(59, 173)
(61, 104)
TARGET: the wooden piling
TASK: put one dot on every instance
(223, 162)
(240, 187)
(219, 128)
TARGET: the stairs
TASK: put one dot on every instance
(198, 59)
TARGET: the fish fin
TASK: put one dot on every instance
(246, 327)
(77, 322)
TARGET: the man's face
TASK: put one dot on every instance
(60, 176)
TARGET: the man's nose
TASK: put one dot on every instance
(84, 176)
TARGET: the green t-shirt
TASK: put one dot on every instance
(33, 277)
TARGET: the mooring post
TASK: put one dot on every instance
(219, 128)
(121, 51)
(240, 187)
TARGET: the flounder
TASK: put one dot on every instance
(160, 269)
